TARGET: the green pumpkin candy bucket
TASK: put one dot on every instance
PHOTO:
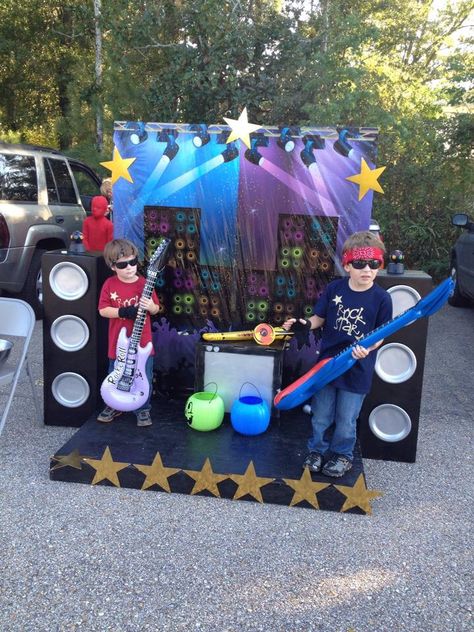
(204, 410)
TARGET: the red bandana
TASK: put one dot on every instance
(365, 253)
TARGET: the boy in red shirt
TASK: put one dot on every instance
(119, 299)
(97, 229)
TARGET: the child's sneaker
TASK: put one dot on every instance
(314, 462)
(337, 466)
(143, 418)
(108, 415)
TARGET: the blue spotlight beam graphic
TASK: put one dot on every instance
(299, 188)
(187, 178)
(323, 193)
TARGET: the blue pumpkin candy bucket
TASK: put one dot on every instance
(204, 410)
(250, 414)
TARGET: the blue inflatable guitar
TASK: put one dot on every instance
(329, 369)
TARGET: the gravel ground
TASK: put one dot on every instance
(85, 558)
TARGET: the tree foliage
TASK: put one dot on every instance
(401, 65)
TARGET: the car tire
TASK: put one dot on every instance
(456, 299)
(32, 291)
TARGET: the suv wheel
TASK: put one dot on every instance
(32, 291)
(456, 299)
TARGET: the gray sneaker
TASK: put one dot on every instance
(337, 466)
(143, 418)
(314, 462)
(108, 415)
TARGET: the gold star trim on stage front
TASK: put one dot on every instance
(206, 479)
(367, 179)
(305, 489)
(73, 459)
(358, 496)
(249, 483)
(119, 166)
(156, 473)
(241, 128)
(106, 468)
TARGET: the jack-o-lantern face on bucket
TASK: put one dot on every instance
(204, 411)
(188, 412)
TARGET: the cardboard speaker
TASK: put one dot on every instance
(389, 419)
(74, 336)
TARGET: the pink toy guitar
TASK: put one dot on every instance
(127, 387)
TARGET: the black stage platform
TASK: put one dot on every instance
(170, 456)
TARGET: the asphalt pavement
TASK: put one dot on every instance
(94, 558)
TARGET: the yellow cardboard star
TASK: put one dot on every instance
(156, 473)
(206, 479)
(305, 489)
(249, 483)
(367, 179)
(241, 128)
(119, 166)
(358, 495)
(106, 468)
(73, 459)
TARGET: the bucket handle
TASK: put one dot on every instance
(215, 394)
(251, 384)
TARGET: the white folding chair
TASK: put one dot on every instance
(16, 319)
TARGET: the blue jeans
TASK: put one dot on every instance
(149, 375)
(334, 421)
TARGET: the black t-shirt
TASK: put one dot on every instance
(349, 316)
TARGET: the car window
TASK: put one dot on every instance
(86, 183)
(18, 181)
(58, 182)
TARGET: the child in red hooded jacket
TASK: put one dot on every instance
(97, 229)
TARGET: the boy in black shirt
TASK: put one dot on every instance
(348, 309)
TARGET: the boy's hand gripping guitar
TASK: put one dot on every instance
(329, 369)
(127, 387)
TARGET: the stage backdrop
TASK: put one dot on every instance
(256, 231)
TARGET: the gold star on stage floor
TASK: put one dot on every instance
(241, 128)
(249, 483)
(106, 468)
(358, 496)
(157, 473)
(206, 479)
(305, 489)
(73, 459)
(367, 179)
(119, 166)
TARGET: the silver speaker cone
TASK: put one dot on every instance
(390, 423)
(70, 389)
(395, 363)
(68, 281)
(70, 333)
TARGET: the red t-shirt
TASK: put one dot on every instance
(116, 293)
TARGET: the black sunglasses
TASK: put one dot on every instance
(121, 265)
(359, 264)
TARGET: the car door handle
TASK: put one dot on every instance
(59, 219)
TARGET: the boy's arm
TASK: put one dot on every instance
(109, 312)
(314, 322)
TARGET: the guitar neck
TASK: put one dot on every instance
(141, 314)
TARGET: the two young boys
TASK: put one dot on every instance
(348, 309)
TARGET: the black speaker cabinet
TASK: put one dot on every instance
(240, 368)
(388, 422)
(74, 336)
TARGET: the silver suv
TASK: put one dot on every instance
(44, 197)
